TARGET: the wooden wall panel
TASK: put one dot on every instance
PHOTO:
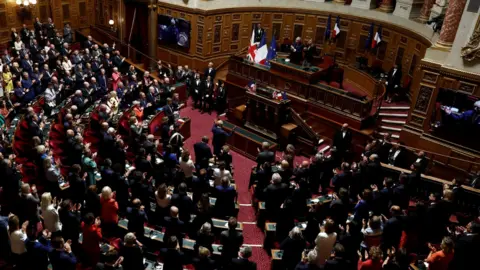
(13, 16)
(234, 28)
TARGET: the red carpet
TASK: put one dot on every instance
(201, 125)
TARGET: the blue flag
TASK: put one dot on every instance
(329, 25)
(368, 42)
(272, 51)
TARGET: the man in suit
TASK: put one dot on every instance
(173, 225)
(393, 82)
(207, 95)
(242, 262)
(310, 50)
(89, 43)
(258, 33)
(382, 198)
(50, 29)
(219, 137)
(27, 64)
(343, 141)
(196, 91)
(24, 34)
(467, 247)
(202, 153)
(422, 161)
(265, 155)
(210, 71)
(183, 202)
(343, 178)
(275, 195)
(373, 171)
(231, 241)
(384, 147)
(296, 51)
(396, 156)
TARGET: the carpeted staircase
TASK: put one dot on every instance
(392, 117)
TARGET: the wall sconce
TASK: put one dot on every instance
(111, 22)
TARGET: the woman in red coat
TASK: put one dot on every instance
(109, 215)
(92, 236)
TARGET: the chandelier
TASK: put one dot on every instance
(26, 3)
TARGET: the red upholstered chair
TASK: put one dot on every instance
(155, 124)
(335, 84)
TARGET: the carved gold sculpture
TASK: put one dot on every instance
(471, 51)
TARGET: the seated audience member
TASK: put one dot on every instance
(242, 262)
(131, 254)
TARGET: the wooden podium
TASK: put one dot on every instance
(264, 114)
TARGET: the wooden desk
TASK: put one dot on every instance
(149, 232)
(223, 224)
(363, 81)
(246, 142)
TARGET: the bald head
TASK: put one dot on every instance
(174, 211)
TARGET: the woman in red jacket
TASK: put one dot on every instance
(109, 211)
(92, 236)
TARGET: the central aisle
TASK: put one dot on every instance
(201, 125)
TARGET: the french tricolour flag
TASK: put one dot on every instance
(252, 48)
(378, 37)
(336, 28)
(262, 51)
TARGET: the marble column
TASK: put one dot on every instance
(450, 23)
(425, 11)
(152, 33)
(387, 6)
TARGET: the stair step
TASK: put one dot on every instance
(394, 114)
(394, 108)
(396, 136)
(323, 150)
(391, 128)
(399, 122)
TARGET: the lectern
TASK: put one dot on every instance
(264, 114)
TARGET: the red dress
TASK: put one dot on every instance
(109, 210)
(91, 242)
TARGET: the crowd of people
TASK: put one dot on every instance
(330, 212)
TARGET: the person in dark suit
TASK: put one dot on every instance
(226, 197)
(61, 256)
(219, 137)
(422, 161)
(173, 225)
(242, 262)
(203, 153)
(258, 33)
(382, 198)
(392, 229)
(343, 178)
(393, 82)
(196, 91)
(37, 249)
(339, 207)
(275, 195)
(293, 247)
(373, 171)
(183, 202)
(207, 98)
(467, 247)
(173, 258)
(265, 155)
(210, 72)
(296, 50)
(310, 50)
(343, 141)
(168, 110)
(28, 204)
(231, 241)
(384, 146)
(203, 261)
(397, 156)
(338, 261)
(136, 218)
